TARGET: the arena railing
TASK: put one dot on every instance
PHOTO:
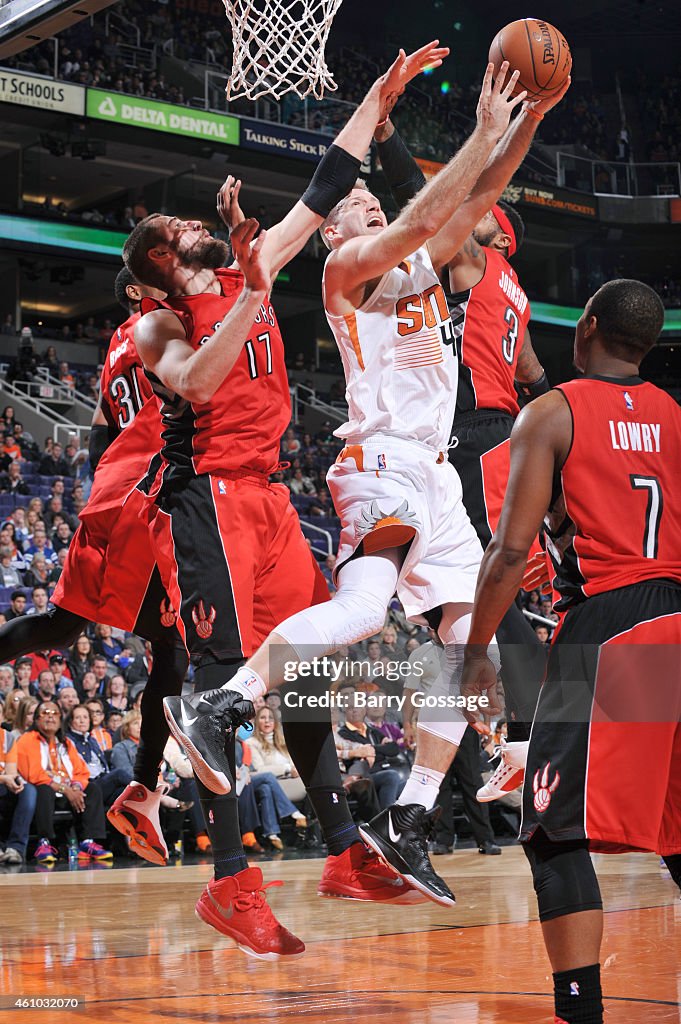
(37, 414)
(304, 396)
(601, 177)
(317, 530)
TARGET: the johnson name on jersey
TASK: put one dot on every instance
(490, 320)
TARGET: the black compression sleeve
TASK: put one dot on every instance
(100, 439)
(528, 392)
(404, 176)
(335, 176)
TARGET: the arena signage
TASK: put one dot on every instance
(162, 117)
(32, 91)
(278, 138)
(576, 203)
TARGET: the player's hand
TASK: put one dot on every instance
(478, 678)
(393, 83)
(546, 103)
(229, 211)
(496, 104)
(537, 575)
(409, 731)
(247, 252)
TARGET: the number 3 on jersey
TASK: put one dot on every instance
(125, 395)
(510, 339)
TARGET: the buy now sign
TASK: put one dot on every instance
(162, 117)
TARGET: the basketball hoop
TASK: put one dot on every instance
(279, 47)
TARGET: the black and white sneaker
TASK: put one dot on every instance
(234, 708)
(399, 835)
(203, 737)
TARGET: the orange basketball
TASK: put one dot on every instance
(538, 51)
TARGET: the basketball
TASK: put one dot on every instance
(538, 51)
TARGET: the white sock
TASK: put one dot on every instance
(422, 787)
(246, 682)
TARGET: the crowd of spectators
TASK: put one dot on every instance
(434, 119)
(84, 702)
(660, 109)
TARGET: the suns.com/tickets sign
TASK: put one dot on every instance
(162, 117)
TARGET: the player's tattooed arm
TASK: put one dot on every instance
(528, 368)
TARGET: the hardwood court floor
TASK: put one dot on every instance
(128, 942)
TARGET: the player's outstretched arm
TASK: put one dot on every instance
(366, 258)
(505, 161)
(339, 167)
(197, 374)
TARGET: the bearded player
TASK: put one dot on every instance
(597, 460)
(228, 543)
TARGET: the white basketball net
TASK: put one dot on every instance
(279, 47)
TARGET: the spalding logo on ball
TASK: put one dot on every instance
(538, 51)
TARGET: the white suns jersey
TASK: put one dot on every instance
(400, 364)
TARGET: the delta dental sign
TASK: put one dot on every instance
(162, 117)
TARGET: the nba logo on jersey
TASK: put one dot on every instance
(382, 462)
(574, 988)
(628, 401)
(222, 489)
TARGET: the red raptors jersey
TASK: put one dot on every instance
(134, 409)
(617, 518)
(240, 428)
(490, 321)
(124, 386)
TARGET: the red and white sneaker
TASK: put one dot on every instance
(237, 907)
(359, 874)
(509, 773)
(135, 814)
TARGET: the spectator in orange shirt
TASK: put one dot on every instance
(53, 765)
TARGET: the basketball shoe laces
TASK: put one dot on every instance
(504, 770)
(256, 899)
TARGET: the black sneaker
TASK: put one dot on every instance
(489, 848)
(234, 708)
(203, 737)
(399, 835)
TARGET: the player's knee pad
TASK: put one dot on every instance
(357, 610)
(326, 627)
(451, 730)
(437, 714)
(564, 878)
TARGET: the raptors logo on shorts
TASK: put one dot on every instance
(168, 614)
(202, 621)
(542, 789)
